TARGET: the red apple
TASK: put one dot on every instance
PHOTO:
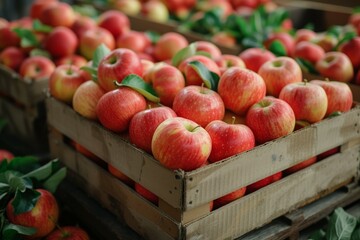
(326, 41)
(336, 66)
(146, 66)
(199, 104)
(12, 57)
(224, 39)
(219, 202)
(93, 38)
(300, 165)
(270, 118)
(38, 6)
(226, 61)
(116, 66)
(228, 139)
(5, 155)
(120, 175)
(132, 7)
(76, 60)
(116, 22)
(308, 51)
(168, 45)
(86, 98)
(304, 35)
(255, 57)
(148, 119)
(155, 11)
(308, 100)
(351, 49)
(145, 193)
(43, 217)
(285, 38)
(240, 88)
(87, 153)
(64, 81)
(68, 233)
(61, 42)
(263, 182)
(279, 72)
(8, 38)
(328, 153)
(58, 14)
(180, 143)
(37, 67)
(82, 24)
(116, 108)
(208, 47)
(134, 40)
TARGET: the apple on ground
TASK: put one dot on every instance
(308, 51)
(179, 143)
(61, 42)
(255, 57)
(278, 73)
(145, 193)
(263, 182)
(58, 14)
(226, 61)
(336, 66)
(134, 40)
(240, 88)
(219, 202)
(351, 49)
(92, 38)
(199, 104)
(208, 47)
(43, 217)
(116, 22)
(128, 7)
(309, 101)
(228, 139)
(120, 175)
(168, 45)
(74, 59)
(155, 11)
(6, 155)
(36, 68)
(300, 166)
(68, 233)
(12, 57)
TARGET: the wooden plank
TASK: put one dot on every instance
(355, 89)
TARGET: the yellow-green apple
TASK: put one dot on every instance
(155, 11)
(336, 66)
(58, 14)
(192, 77)
(85, 99)
(148, 119)
(61, 42)
(12, 57)
(6, 155)
(255, 57)
(199, 104)
(224, 39)
(82, 24)
(167, 81)
(132, 7)
(328, 153)
(116, 22)
(64, 81)
(116, 66)
(308, 51)
(92, 38)
(339, 95)
(351, 48)
(134, 40)
(228, 139)
(68, 233)
(43, 217)
(38, 6)
(279, 72)
(74, 59)
(116, 108)
(168, 45)
(309, 101)
(326, 41)
(304, 34)
(8, 38)
(270, 118)
(240, 88)
(300, 166)
(208, 47)
(120, 175)
(226, 61)
(179, 143)
(228, 198)
(263, 182)
(145, 193)
(285, 38)
(37, 67)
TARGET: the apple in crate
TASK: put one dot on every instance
(199, 104)
(128, 7)
(352, 48)
(308, 51)
(304, 34)
(270, 118)
(148, 119)
(74, 59)
(309, 101)
(179, 143)
(279, 72)
(145, 193)
(5, 154)
(120, 175)
(68, 233)
(264, 182)
(37, 67)
(227, 61)
(116, 22)
(240, 88)
(219, 202)
(8, 38)
(228, 139)
(300, 165)
(168, 45)
(133, 40)
(12, 57)
(285, 38)
(61, 42)
(116, 66)
(82, 24)
(339, 95)
(38, 6)
(92, 38)
(254, 58)
(155, 11)
(58, 14)
(43, 217)
(208, 47)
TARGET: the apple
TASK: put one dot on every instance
(351, 48)
(300, 166)
(37, 67)
(208, 47)
(285, 38)
(148, 119)
(64, 81)
(43, 217)
(308, 51)
(304, 34)
(132, 7)
(74, 59)
(68, 233)
(12, 57)
(240, 88)
(199, 104)
(145, 193)
(179, 143)
(8, 38)
(155, 10)
(116, 22)
(270, 118)
(226, 61)
(58, 14)
(309, 101)
(224, 6)
(38, 6)
(191, 76)
(255, 57)
(219, 202)
(116, 108)
(336, 66)
(82, 24)
(174, 5)
(87, 153)
(263, 182)
(61, 42)
(116, 66)
(326, 41)
(6, 155)
(3, 22)
(92, 38)
(279, 72)
(228, 139)
(168, 45)
(134, 40)
(146, 66)
(328, 153)
(120, 175)
(225, 39)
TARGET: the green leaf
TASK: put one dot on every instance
(317, 235)
(306, 66)
(341, 225)
(138, 84)
(347, 37)
(11, 231)
(40, 27)
(153, 36)
(17, 182)
(336, 31)
(44, 171)
(356, 234)
(92, 70)
(24, 164)
(183, 54)
(278, 48)
(356, 10)
(25, 201)
(3, 123)
(334, 114)
(28, 38)
(39, 52)
(53, 182)
(86, 10)
(100, 52)
(210, 79)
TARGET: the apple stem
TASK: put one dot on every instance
(195, 128)
(202, 88)
(305, 81)
(327, 79)
(149, 106)
(69, 71)
(233, 119)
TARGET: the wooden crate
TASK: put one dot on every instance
(183, 211)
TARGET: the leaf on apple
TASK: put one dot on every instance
(306, 66)
(277, 48)
(346, 37)
(100, 52)
(12, 231)
(153, 36)
(53, 182)
(25, 201)
(28, 38)
(40, 27)
(138, 84)
(183, 54)
(39, 52)
(210, 79)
